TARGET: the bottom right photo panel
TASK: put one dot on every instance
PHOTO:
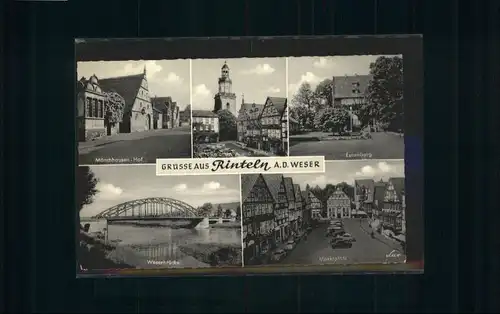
(352, 213)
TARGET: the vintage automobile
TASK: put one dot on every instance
(346, 237)
(278, 255)
(338, 243)
(290, 245)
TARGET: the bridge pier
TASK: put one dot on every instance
(204, 224)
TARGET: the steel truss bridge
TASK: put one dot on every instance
(152, 208)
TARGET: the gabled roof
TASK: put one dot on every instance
(273, 182)
(338, 194)
(203, 113)
(278, 102)
(305, 196)
(247, 183)
(344, 85)
(290, 191)
(126, 86)
(368, 183)
(252, 111)
(399, 186)
(314, 195)
(379, 194)
(298, 193)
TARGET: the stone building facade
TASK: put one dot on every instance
(93, 111)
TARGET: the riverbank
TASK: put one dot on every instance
(155, 224)
(214, 254)
(228, 225)
(94, 254)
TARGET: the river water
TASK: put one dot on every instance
(159, 247)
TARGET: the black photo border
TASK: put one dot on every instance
(410, 46)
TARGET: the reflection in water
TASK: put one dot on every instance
(164, 244)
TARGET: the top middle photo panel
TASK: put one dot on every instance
(239, 107)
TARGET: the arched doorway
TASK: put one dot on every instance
(228, 106)
(148, 122)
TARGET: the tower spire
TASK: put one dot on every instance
(144, 70)
(242, 99)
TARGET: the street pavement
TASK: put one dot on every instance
(316, 249)
(138, 147)
(381, 146)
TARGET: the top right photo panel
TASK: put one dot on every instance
(346, 107)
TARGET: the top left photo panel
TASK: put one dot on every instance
(133, 112)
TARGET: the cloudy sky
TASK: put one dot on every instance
(256, 78)
(316, 69)
(165, 77)
(348, 171)
(118, 184)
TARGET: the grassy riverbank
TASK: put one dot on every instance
(214, 254)
(94, 254)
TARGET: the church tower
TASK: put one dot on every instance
(225, 99)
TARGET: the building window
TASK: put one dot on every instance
(88, 107)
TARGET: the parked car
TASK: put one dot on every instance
(337, 243)
(309, 229)
(290, 245)
(346, 237)
(278, 255)
(297, 237)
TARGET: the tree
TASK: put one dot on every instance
(335, 120)
(86, 187)
(220, 211)
(384, 95)
(228, 213)
(206, 209)
(324, 93)
(228, 129)
(304, 101)
(115, 104)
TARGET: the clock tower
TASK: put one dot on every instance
(225, 99)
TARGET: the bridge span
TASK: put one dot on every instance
(155, 209)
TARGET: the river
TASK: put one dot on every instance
(159, 247)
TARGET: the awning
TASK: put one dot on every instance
(251, 242)
(277, 228)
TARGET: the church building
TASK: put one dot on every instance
(113, 105)
(225, 99)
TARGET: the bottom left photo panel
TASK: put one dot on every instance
(131, 218)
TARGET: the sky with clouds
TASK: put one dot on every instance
(315, 69)
(118, 184)
(256, 78)
(165, 77)
(348, 171)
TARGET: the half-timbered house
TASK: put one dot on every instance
(306, 208)
(293, 213)
(276, 185)
(257, 217)
(274, 124)
(363, 195)
(299, 206)
(392, 213)
(316, 206)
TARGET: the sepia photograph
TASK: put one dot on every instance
(353, 213)
(133, 112)
(239, 107)
(130, 218)
(346, 107)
